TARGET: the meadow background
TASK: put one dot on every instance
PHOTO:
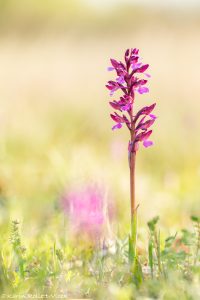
(55, 129)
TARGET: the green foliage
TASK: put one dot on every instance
(154, 244)
(137, 272)
(150, 253)
(196, 221)
(19, 250)
(133, 239)
(103, 271)
(152, 223)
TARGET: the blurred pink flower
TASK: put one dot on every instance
(85, 209)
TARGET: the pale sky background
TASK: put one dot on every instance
(163, 3)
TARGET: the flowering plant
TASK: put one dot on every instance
(129, 82)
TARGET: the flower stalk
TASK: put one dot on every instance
(129, 82)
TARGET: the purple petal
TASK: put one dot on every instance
(110, 69)
(117, 126)
(147, 143)
(120, 79)
(147, 75)
(117, 118)
(135, 51)
(152, 116)
(143, 136)
(146, 110)
(114, 63)
(145, 125)
(142, 90)
(126, 107)
(127, 52)
(136, 66)
(143, 68)
(115, 105)
(114, 89)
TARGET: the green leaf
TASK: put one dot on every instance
(152, 223)
(195, 219)
(137, 271)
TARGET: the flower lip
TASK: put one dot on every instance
(120, 79)
(142, 90)
(110, 69)
(147, 143)
(117, 126)
(152, 116)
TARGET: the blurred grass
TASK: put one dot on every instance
(55, 17)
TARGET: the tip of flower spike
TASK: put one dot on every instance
(127, 52)
(135, 51)
(147, 143)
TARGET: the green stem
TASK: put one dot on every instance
(198, 244)
(132, 186)
(157, 248)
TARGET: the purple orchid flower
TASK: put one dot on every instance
(129, 81)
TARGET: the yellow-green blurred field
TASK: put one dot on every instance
(55, 129)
